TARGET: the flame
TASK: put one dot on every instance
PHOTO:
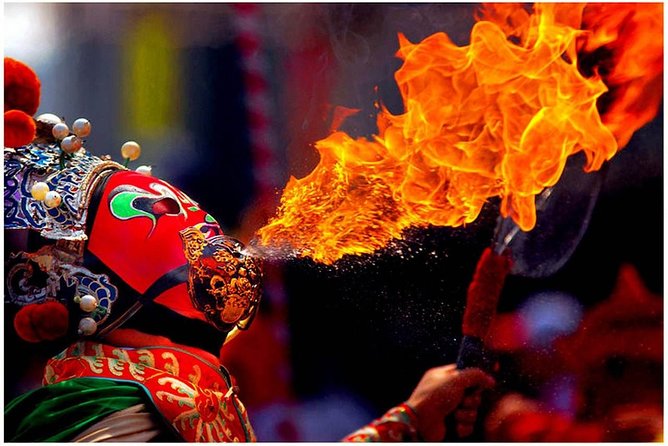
(498, 117)
(625, 47)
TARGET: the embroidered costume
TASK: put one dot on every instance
(397, 424)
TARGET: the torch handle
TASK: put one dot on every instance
(472, 353)
(481, 301)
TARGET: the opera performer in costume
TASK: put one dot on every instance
(141, 287)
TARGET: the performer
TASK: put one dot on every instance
(144, 287)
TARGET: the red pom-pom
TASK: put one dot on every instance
(483, 293)
(23, 325)
(20, 128)
(42, 322)
(22, 87)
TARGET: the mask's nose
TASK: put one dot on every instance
(224, 280)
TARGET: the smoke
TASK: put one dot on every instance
(357, 62)
(364, 42)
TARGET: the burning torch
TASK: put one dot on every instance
(544, 249)
(492, 119)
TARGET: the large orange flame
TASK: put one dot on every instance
(625, 47)
(498, 117)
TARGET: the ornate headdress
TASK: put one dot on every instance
(105, 240)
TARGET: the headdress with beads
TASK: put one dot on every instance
(104, 241)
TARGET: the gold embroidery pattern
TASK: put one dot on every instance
(204, 414)
(173, 366)
(196, 375)
(116, 366)
(146, 358)
(94, 363)
(50, 376)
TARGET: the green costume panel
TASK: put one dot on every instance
(58, 412)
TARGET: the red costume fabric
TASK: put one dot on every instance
(194, 396)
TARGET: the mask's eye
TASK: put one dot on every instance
(165, 206)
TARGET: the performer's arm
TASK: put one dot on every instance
(440, 392)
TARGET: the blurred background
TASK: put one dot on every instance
(227, 100)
